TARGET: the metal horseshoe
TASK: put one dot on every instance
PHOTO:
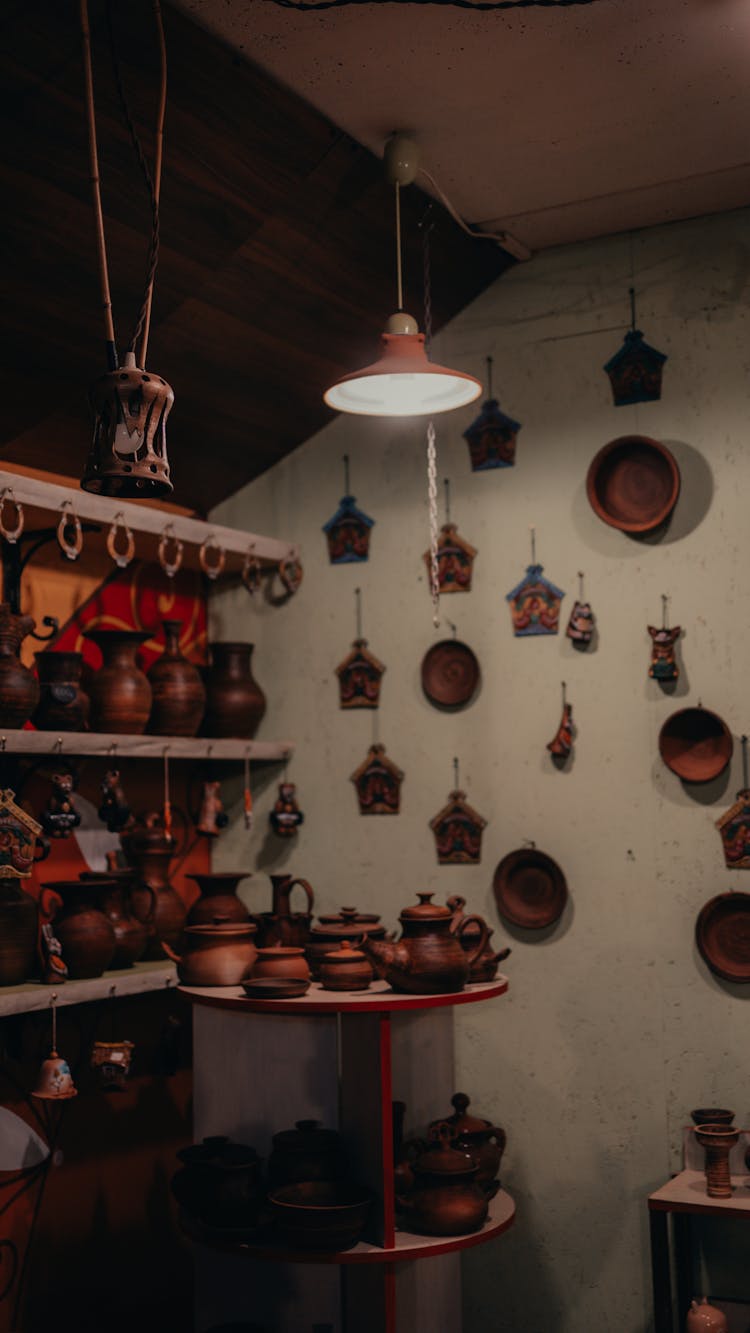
(212, 571)
(170, 567)
(251, 572)
(69, 519)
(121, 558)
(11, 535)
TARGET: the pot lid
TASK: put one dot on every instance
(346, 927)
(281, 951)
(350, 914)
(307, 1136)
(219, 929)
(218, 1151)
(462, 1123)
(426, 910)
(345, 954)
(442, 1159)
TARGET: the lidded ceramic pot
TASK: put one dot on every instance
(428, 959)
(345, 969)
(235, 703)
(19, 688)
(281, 960)
(220, 1182)
(705, 1318)
(446, 1199)
(307, 1152)
(63, 706)
(482, 1140)
(220, 954)
(177, 690)
(348, 924)
(119, 691)
(218, 898)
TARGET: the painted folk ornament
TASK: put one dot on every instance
(360, 675)
(561, 745)
(534, 602)
(580, 628)
(663, 666)
(286, 816)
(455, 560)
(734, 825)
(18, 838)
(635, 370)
(492, 436)
(348, 531)
(378, 783)
(458, 832)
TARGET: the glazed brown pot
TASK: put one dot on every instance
(347, 924)
(446, 1199)
(281, 960)
(19, 688)
(483, 1141)
(178, 695)
(119, 691)
(717, 1140)
(131, 935)
(220, 954)
(345, 969)
(235, 703)
(87, 938)
(18, 933)
(281, 925)
(712, 1115)
(218, 900)
(428, 959)
(220, 1183)
(321, 1214)
(155, 903)
(306, 1152)
(63, 706)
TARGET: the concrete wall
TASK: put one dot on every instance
(613, 1028)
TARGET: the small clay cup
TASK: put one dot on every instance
(717, 1141)
(712, 1115)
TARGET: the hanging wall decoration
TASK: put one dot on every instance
(734, 825)
(378, 783)
(535, 602)
(59, 816)
(54, 1081)
(111, 1061)
(561, 746)
(348, 532)
(18, 838)
(212, 817)
(455, 556)
(635, 370)
(582, 620)
(286, 816)
(450, 673)
(663, 666)
(458, 829)
(491, 437)
(360, 673)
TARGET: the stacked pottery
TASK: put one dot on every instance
(218, 898)
(19, 688)
(307, 1152)
(178, 695)
(131, 935)
(149, 850)
(87, 938)
(446, 1199)
(235, 703)
(63, 706)
(119, 691)
(18, 933)
(483, 1141)
(348, 924)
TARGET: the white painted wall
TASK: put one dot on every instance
(613, 1028)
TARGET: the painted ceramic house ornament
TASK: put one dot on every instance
(458, 829)
(561, 745)
(580, 628)
(348, 531)
(635, 370)
(286, 816)
(535, 602)
(734, 825)
(378, 783)
(360, 674)
(491, 437)
(663, 666)
(18, 838)
(455, 556)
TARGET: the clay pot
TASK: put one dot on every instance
(131, 935)
(445, 1199)
(482, 1140)
(220, 1183)
(717, 1140)
(63, 706)
(321, 1215)
(281, 960)
(345, 969)
(347, 924)
(221, 954)
(19, 688)
(281, 925)
(712, 1115)
(119, 690)
(155, 903)
(705, 1318)
(428, 959)
(218, 900)
(178, 695)
(484, 967)
(306, 1152)
(18, 933)
(235, 703)
(87, 938)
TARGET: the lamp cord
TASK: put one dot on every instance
(101, 246)
(399, 269)
(431, 447)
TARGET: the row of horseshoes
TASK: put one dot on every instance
(121, 546)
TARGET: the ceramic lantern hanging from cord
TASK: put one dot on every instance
(663, 665)
(561, 745)
(458, 829)
(54, 1081)
(360, 674)
(492, 436)
(455, 556)
(734, 825)
(534, 602)
(348, 530)
(580, 628)
(635, 370)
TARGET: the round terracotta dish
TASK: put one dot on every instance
(696, 744)
(275, 988)
(722, 933)
(633, 484)
(530, 889)
(450, 674)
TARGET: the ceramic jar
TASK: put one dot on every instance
(220, 1183)
(349, 924)
(483, 1141)
(131, 935)
(18, 933)
(87, 938)
(221, 954)
(428, 959)
(178, 695)
(705, 1318)
(717, 1140)
(19, 688)
(235, 703)
(345, 969)
(281, 925)
(306, 1152)
(445, 1199)
(149, 851)
(280, 960)
(119, 691)
(218, 898)
(62, 706)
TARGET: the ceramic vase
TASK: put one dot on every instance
(235, 703)
(119, 690)
(178, 693)
(131, 935)
(87, 938)
(218, 899)
(63, 706)
(18, 933)
(155, 903)
(717, 1140)
(19, 688)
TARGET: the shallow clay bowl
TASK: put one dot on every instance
(275, 988)
(712, 1115)
(530, 889)
(633, 484)
(722, 933)
(696, 744)
(321, 1214)
(450, 674)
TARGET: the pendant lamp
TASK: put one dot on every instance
(403, 382)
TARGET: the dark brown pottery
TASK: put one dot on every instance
(87, 938)
(530, 889)
(348, 924)
(63, 706)
(131, 935)
(428, 959)
(19, 917)
(717, 1140)
(119, 691)
(722, 933)
(235, 703)
(633, 484)
(484, 968)
(221, 954)
(450, 674)
(696, 744)
(281, 960)
(306, 1152)
(218, 898)
(321, 1215)
(19, 688)
(177, 690)
(446, 1199)
(483, 1141)
(281, 925)
(275, 988)
(712, 1115)
(345, 969)
(220, 1183)
(149, 851)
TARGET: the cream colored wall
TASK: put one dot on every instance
(613, 1028)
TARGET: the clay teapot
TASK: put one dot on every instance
(484, 968)
(482, 1140)
(705, 1318)
(446, 1199)
(428, 958)
(281, 925)
(218, 897)
(307, 1152)
(219, 954)
(219, 1183)
(19, 688)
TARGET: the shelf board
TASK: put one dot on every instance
(408, 1245)
(140, 747)
(686, 1193)
(136, 980)
(378, 999)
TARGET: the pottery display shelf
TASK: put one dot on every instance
(341, 1059)
(141, 747)
(139, 979)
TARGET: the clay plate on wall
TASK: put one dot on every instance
(530, 889)
(722, 933)
(696, 744)
(450, 674)
(633, 484)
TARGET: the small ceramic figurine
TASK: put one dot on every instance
(54, 969)
(705, 1318)
(562, 744)
(114, 810)
(60, 816)
(580, 628)
(212, 818)
(286, 815)
(663, 666)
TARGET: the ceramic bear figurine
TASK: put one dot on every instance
(705, 1318)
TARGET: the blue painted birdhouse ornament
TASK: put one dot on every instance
(635, 370)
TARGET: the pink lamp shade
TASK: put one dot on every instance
(403, 382)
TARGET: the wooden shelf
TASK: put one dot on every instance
(378, 999)
(141, 747)
(137, 980)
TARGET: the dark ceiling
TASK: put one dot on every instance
(276, 269)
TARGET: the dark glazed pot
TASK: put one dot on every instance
(446, 1199)
(219, 1183)
(119, 690)
(131, 935)
(428, 959)
(218, 900)
(483, 1141)
(321, 1214)
(306, 1153)
(86, 937)
(63, 706)
(178, 693)
(235, 703)
(19, 688)
(18, 933)
(154, 901)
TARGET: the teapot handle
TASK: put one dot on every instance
(169, 951)
(307, 886)
(484, 935)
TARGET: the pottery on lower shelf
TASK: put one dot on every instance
(428, 959)
(86, 936)
(218, 897)
(235, 703)
(221, 954)
(321, 1214)
(178, 695)
(19, 918)
(280, 960)
(156, 903)
(275, 988)
(307, 1152)
(345, 969)
(483, 1141)
(119, 691)
(446, 1199)
(63, 705)
(327, 935)
(19, 688)
(220, 1183)
(705, 1318)
(717, 1140)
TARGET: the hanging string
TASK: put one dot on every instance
(632, 309)
(101, 246)
(447, 485)
(358, 610)
(431, 448)
(489, 376)
(744, 762)
(664, 600)
(346, 474)
(580, 585)
(455, 774)
(564, 694)
(533, 545)
(248, 795)
(167, 801)
(53, 1002)
(399, 275)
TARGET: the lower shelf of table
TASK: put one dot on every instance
(408, 1246)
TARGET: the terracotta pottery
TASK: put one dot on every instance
(221, 954)
(705, 1318)
(450, 674)
(530, 889)
(345, 969)
(62, 706)
(275, 988)
(220, 1183)
(712, 1115)
(119, 691)
(722, 933)
(218, 898)
(321, 1215)
(235, 703)
(446, 1199)
(428, 959)
(149, 850)
(484, 968)
(178, 695)
(280, 960)
(19, 918)
(19, 688)
(86, 937)
(717, 1140)
(306, 1152)
(281, 925)
(633, 484)
(696, 744)
(348, 924)
(54, 1080)
(483, 1141)
(131, 935)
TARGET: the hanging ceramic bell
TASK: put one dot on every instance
(54, 1081)
(286, 816)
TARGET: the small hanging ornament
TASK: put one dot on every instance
(635, 370)
(212, 817)
(54, 969)
(492, 436)
(455, 556)
(561, 746)
(19, 834)
(534, 602)
(734, 826)
(458, 829)
(360, 674)
(111, 1060)
(286, 816)
(55, 1081)
(167, 806)
(348, 531)
(378, 783)
(59, 816)
(663, 666)
(247, 796)
(114, 810)
(580, 628)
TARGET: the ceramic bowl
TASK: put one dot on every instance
(633, 484)
(321, 1214)
(712, 1115)
(696, 744)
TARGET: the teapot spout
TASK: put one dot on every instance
(384, 954)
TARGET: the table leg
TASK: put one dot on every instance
(683, 1262)
(660, 1271)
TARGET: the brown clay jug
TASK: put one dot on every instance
(235, 703)
(19, 688)
(445, 1199)
(155, 903)
(428, 959)
(178, 693)
(119, 690)
(482, 1140)
(281, 925)
(18, 933)
(63, 705)
(218, 900)
(86, 937)
(131, 935)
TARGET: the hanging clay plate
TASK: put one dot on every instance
(450, 674)
(633, 484)
(530, 889)
(696, 744)
(722, 933)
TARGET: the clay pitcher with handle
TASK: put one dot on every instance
(281, 925)
(19, 688)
